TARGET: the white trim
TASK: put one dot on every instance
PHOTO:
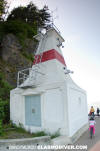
(32, 93)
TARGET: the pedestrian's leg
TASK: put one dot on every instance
(93, 130)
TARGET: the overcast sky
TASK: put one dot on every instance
(79, 23)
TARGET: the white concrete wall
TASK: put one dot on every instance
(77, 108)
(17, 107)
(53, 71)
(53, 108)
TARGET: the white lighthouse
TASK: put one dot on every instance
(46, 98)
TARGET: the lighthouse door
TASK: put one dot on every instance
(33, 110)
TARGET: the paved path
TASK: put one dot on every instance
(85, 139)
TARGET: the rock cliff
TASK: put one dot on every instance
(13, 58)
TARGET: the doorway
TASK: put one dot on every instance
(33, 110)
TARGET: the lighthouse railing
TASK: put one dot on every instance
(30, 77)
(22, 76)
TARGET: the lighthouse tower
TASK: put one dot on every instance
(49, 65)
(46, 98)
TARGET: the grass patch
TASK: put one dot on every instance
(15, 133)
(41, 133)
(56, 134)
(11, 131)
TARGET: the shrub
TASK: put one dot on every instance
(18, 26)
(1, 127)
(56, 134)
(5, 88)
(4, 111)
(4, 99)
(28, 55)
(2, 114)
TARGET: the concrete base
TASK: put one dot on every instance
(5, 144)
(61, 140)
(64, 140)
(45, 140)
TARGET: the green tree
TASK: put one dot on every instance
(31, 14)
(2, 8)
(44, 16)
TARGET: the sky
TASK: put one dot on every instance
(79, 23)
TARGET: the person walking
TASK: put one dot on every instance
(92, 111)
(92, 125)
(98, 111)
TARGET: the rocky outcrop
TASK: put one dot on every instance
(10, 46)
(12, 59)
(31, 45)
